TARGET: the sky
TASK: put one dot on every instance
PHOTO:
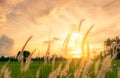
(19, 19)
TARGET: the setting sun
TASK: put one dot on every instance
(75, 45)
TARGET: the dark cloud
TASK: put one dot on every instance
(6, 45)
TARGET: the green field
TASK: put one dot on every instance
(16, 73)
(46, 69)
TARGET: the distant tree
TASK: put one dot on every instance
(25, 54)
(112, 46)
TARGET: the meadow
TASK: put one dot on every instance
(31, 73)
(45, 70)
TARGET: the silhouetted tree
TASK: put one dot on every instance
(112, 46)
(25, 55)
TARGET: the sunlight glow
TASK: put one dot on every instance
(74, 45)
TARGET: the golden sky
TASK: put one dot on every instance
(19, 19)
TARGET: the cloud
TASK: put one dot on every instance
(41, 10)
(21, 17)
(53, 40)
(35, 10)
(6, 7)
(6, 45)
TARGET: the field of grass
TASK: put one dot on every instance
(31, 73)
(45, 70)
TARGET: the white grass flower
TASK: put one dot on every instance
(106, 66)
(68, 75)
(7, 73)
(27, 63)
(86, 68)
(20, 57)
(53, 62)
(45, 60)
(37, 73)
(78, 71)
(65, 70)
(56, 72)
(96, 66)
(3, 69)
(118, 73)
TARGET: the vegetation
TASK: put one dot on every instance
(46, 69)
(113, 46)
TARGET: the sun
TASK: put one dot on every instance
(74, 45)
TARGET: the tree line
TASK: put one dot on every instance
(26, 54)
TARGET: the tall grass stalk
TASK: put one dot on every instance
(53, 62)
(20, 56)
(47, 56)
(84, 39)
(106, 66)
(56, 72)
(65, 44)
(88, 51)
(80, 24)
(65, 70)
(78, 71)
(4, 70)
(27, 63)
(7, 73)
(38, 73)
(86, 68)
(96, 67)
(118, 73)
